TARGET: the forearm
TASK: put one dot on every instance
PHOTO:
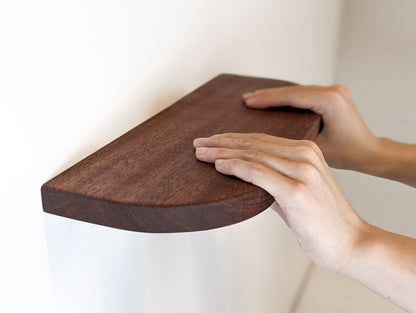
(392, 160)
(386, 263)
(311, 203)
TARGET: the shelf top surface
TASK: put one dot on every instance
(154, 166)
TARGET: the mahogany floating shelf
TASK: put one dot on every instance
(149, 180)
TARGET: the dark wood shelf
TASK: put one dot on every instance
(149, 180)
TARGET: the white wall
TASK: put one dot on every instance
(76, 74)
(377, 48)
(377, 62)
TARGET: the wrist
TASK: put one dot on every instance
(375, 157)
(392, 160)
(385, 262)
(366, 240)
(360, 238)
(382, 158)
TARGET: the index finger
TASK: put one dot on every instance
(315, 98)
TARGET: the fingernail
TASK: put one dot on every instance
(201, 150)
(197, 142)
(249, 101)
(219, 162)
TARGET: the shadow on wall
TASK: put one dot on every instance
(116, 126)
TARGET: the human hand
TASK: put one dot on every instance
(295, 173)
(345, 139)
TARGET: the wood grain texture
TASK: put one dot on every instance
(149, 180)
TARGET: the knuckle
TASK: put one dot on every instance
(341, 89)
(263, 92)
(254, 169)
(229, 165)
(251, 155)
(308, 150)
(309, 143)
(215, 139)
(307, 171)
(311, 154)
(232, 163)
(312, 146)
(246, 142)
(259, 136)
(338, 93)
(298, 191)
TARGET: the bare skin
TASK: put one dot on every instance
(309, 199)
(345, 140)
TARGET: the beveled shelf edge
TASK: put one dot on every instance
(153, 219)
